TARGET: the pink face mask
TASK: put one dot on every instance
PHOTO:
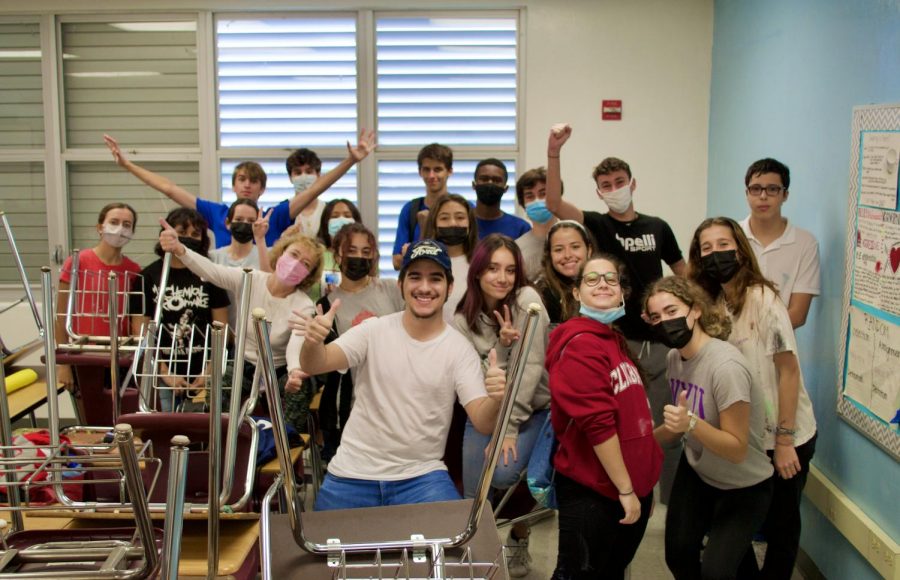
(290, 271)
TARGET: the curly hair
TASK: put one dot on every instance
(714, 319)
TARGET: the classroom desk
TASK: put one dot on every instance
(25, 400)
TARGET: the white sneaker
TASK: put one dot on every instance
(519, 560)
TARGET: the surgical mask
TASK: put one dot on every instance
(242, 232)
(674, 333)
(303, 181)
(290, 270)
(489, 193)
(335, 224)
(619, 200)
(356, 268)
(192, 244)
(721, 266)
(116, 236)
(537, 212)
(453, 235)
(606, 315)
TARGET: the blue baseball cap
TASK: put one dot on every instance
(427, 250)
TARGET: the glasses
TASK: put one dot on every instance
(771, 190)
(593, 278)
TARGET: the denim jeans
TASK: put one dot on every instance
(339, 493)
(505, 476)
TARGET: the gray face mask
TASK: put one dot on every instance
(116, 236)
(302, 182)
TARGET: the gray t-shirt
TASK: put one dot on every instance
(379, 298)
(716, 378)
(532, 247)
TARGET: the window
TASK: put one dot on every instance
(134, 80)
(21, 102)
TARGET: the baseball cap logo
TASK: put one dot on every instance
(423, 250)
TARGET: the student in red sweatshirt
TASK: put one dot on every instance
(607, 461)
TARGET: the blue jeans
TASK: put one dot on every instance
(338, 493)
(505, 476)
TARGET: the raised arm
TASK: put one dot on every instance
(355, 154)
(160, 183)
(222, 276)
(555, 203)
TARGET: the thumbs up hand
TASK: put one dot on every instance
(168, 239)
(494, 378)
(318, 327)
(675, 417)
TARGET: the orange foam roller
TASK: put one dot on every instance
(20, 379)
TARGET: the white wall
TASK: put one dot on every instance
(654, 55)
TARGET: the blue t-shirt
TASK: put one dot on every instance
(215, 213)
(506, 224)
(403, 227)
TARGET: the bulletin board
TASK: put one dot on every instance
(869, 397)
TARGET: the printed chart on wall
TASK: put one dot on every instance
(870, 352)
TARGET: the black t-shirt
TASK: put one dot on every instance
(643, 244)
(189, 302)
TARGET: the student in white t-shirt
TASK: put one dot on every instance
(787, 255)
(723, 263)
(410, 366)
(452, 222)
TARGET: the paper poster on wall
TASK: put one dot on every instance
(876, 268)
(878, 179)
(873, 364)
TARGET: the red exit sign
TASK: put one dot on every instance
(611, 110)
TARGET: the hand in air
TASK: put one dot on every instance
(113, 146)
(558, 137)
(495, 378)
(168, 239)
(508, 333)
(364, 146)
(318, 327)
(261, 225)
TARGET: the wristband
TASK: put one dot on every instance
(553, 156)
(785, 431)
(693, 422)
(629, 493)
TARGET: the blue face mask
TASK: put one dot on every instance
(606, 316)
(335, 224)
(537, 212)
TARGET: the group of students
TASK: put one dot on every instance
(630, 362)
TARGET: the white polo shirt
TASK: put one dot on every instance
(791, 261)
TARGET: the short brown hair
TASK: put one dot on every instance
(254, 171)
(611, 165)
(529, 179)
(437, 152)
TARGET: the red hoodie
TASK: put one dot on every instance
(596, 387)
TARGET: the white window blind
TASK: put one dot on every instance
(134, 80)
(22, 198)
(446, 80)
(21, 103)
(287, 82)
(93, 185)
(399, 182)
(278, 185)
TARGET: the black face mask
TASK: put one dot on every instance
(242, 232)
(489, 193)
(674, 333)
(192, 244)
(453, 236)
(720, 266)
(355, 268)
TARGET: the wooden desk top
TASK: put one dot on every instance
(27, 399)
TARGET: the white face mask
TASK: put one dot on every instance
(618, 200)
(303, 181)
(116, 236)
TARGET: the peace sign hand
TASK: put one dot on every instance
(364, 146)
(508, 333)
(168, 239)
(261, 225)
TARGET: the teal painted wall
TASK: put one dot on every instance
(786, 75)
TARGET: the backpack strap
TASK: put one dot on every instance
(414, 209)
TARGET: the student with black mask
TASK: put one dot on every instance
(490, 185)
(452, 222)
(361, 295)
